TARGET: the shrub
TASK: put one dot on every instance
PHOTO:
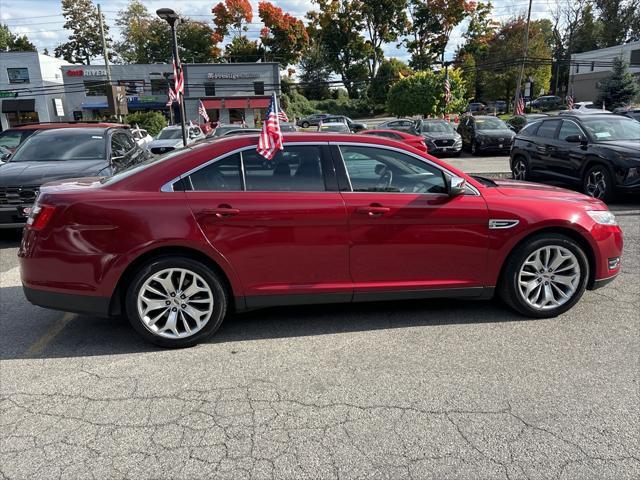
(152, 122)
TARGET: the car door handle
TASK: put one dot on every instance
(222, 211)
(373, 210)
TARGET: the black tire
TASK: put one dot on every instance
(602, 189)
(473, 148)
(212, 279)
(518, 163)
(508, 286)
(305, 125)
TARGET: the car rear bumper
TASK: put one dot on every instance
(84, 304)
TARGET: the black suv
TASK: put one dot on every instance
(599, 152)
(484, 133)
(58, 154)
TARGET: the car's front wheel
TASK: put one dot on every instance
(175, 301)
(520, 169)
(474, 147)
(305, 125)
(545, 276)
(597, 183)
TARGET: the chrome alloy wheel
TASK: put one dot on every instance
(175, 303)
(596, 184)
(519, 170)
(549, 277)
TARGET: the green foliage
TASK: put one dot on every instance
(620, 89)
(296, 105)
(241, 49)
(384, 21)
(389, 72)
(152, 122)
(350, 107)
(423, 94)
(85, 43)
(315, 72)
(10, 42)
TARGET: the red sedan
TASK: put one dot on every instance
(177, 242)
(415, 141)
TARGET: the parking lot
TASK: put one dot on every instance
(424, 389)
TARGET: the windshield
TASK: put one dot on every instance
(62, 145)
(170, 134)
(436, 127)
(612, 128)
(490, 124)
(11, 138)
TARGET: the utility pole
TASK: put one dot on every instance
(105, 51)
(525, 51)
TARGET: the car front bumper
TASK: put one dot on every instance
(13, 217)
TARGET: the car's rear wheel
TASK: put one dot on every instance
(520, 168)
(305, 125)
(176, 301)
(597, 183)
(474, 147)
(545, 276)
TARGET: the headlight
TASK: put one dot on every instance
(603, 217)
(633, 173)
(458, 142)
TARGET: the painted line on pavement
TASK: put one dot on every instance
(36, 349)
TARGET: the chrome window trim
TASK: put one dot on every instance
(168, 186)
(474, 190)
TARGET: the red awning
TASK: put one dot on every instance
(212, 104)
(235, 102)
(259, 102)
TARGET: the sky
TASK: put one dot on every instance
(42, 20)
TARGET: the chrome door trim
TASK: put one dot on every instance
(474, 190)
(502, 223)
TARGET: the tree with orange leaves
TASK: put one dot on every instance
(284, 35)
(231, 18)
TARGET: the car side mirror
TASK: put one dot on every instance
(5, 157)
(456, 186)
(575, 139)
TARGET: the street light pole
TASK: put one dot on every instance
(173, 20)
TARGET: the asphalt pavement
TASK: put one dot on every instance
(422, 390)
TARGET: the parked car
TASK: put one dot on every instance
(12, 137)
(221, 130)
(440, 137)
(416, 141)
(312, 120)
(402, 124)
(142, 137)
(362, 218)
(475, 108)
(631, 112)
(517, 122)
(170, 138)
(334, 127)
(55, 154)
(547, 102)
(287, 127)
(240, 131)
(585, 108)
(496, 107)
(353, 125)
(600, 153)
(485, 134)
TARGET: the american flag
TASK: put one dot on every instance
(447, 90)
(270, 140)
(570, 103)
(171, 97)
(203, 111)
(519, 109)
(282, 116)
(178, 81)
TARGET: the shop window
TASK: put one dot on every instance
(634, 58)
(132, 87)
(158, 87)
(258, 88)
(95, 88)
(18, 75)
(20, 118)
(210, 89)
(236, 116)
(77, 115)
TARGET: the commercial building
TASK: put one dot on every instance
(31, 89)
(230, 92)
(588, 69)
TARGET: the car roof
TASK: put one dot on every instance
(73, 131)
(581, 116)
(387, 130)
(54, 125)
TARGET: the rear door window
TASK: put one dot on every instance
(548, 129)
(567, 129)
(221, 175)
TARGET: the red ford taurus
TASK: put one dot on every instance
(177, 242)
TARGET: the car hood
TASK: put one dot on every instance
(538, 191)
(622, 146)
(37, 173)
(496, 133)
(170, 142)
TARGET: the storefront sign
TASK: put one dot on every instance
(87, 73)
(231, 75)
(8, 94)
(57, 105)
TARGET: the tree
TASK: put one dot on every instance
(339, 23)
(284, 35)
(241, 49)
(152, 122)
(81, 17)
(390, 71)
(10, 42)
(620, 89)
(384, 21)
(133, 22)
(423, 94)
(617, 18)
(431, 24)
(315, 73)
(231, 18)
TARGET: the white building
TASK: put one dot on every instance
(588, 69)
(31, 89)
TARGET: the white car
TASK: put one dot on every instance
(170, 138)
(336, 127)
(142, 137)
(587, 108)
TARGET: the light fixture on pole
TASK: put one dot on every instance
(173, 19)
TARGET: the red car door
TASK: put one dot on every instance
(280, 223)
(406, 233)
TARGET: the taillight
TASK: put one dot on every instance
(40, 216)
